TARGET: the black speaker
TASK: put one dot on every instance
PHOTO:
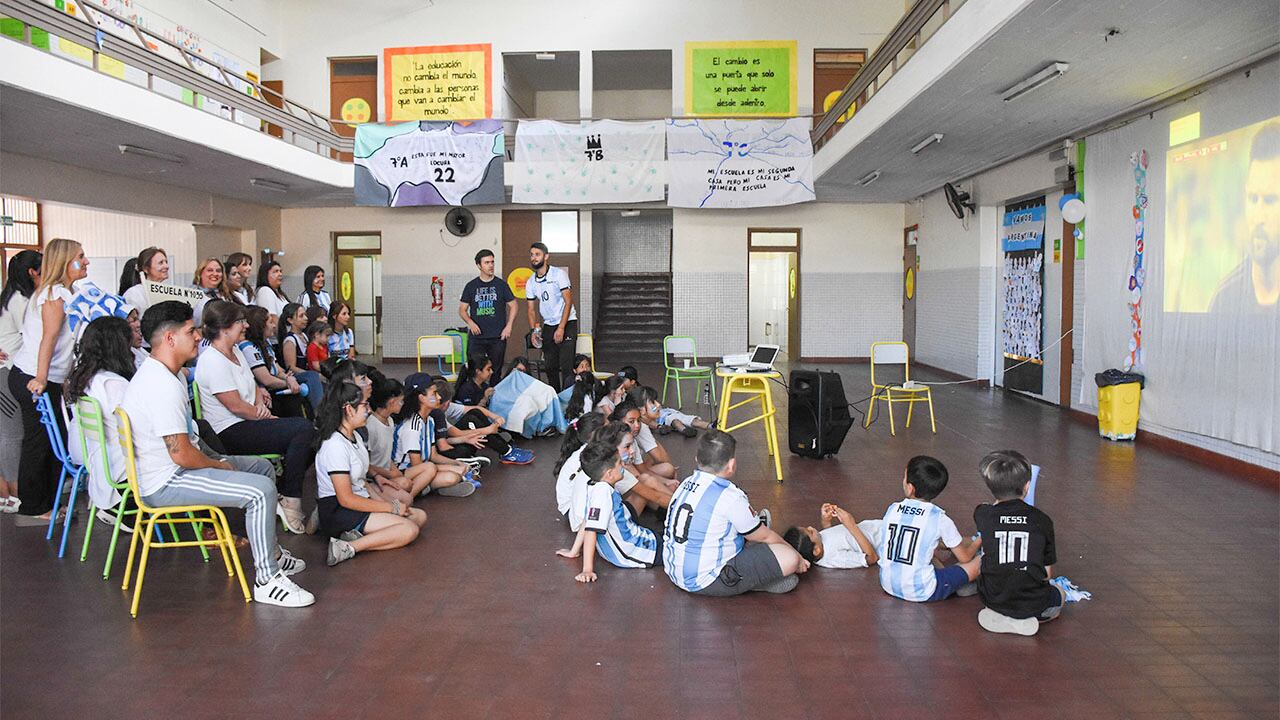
(818, 414)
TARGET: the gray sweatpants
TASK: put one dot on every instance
(10, 430)
(251, 486)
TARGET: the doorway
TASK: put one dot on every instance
(773, 289)
(358, 260)
(910, 281)
(520, 229)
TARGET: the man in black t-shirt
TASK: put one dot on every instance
(488, 308)
(1018, 551)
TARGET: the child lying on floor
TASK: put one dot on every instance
(842, 543)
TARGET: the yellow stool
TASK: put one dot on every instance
(755, 385)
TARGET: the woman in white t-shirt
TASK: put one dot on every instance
(210, 278)
(270, 293)
(20, 285)
(151, 264)
(239, 271)
(102, 372)
(41, 365)
(240, 412)
(353, 520)
(313, 293)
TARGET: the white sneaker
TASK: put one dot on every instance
(339, 550)
(105, 515)
(290, 565)
(292, 519)
(992, 621)
(282, 591)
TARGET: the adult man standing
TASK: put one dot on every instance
(713, 543)
(550, 293)
(488, 308)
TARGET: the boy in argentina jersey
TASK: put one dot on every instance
(608, 523)
(913, 527)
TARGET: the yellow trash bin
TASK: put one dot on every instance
(1118, 398)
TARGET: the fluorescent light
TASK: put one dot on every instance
(153, 154)
(271, 185)
(1050, 72)
(630, 213)
(544, 56)
(869, 178)
(934, 138)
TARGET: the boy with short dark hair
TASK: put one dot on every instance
(1018, 551)
(842, 543)
(913, 528)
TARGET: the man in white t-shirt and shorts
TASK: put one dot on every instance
(172, 468)
(550, 296)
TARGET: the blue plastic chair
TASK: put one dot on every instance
(69, 469)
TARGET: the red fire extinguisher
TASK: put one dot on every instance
(437, 293)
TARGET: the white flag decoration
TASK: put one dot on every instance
(739, 163)
(604, 161)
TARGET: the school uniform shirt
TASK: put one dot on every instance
(841, 551)
(300, 348)
(158, 405)
(243, 296)
(706, 523)
(564, 482)
(341, 342)
(1017, 548)
(381, 436)
(606, 406)
(254, 356)
(216, 374)
(469, 393)
(547, 290)
(267, 298)
(577, 490)
(340, 456)
(453, 412)
(440, 421)
(139, 355)
(109, 390)
(11, 321)
(137, 297)
(487, 305)
(27, 358)
(322, 300)
(414, 435)
(618, 538)
(912, 529)
(645, 442)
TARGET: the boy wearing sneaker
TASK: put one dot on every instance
(1018, 551)
(609, 523)
(463, 436)
(913, 529)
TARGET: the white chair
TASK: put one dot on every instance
(896, 353)
(586, 346)
(441, 348)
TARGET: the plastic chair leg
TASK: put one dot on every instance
(222, 543)
(115, 532)
(71, 505)
(665, 379)
(679, 397)
(57, 498)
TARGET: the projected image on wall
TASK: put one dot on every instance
(1222, 223)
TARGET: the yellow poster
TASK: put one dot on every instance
(440, 82)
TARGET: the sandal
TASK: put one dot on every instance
(209, 534)
(10, 504)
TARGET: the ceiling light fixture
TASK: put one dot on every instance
(544, 56)
(934, 138)
(1050, 72)
(630, 213)
(152, 154)
(869, 178)
(271, 185)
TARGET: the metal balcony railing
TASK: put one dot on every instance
(241, 99)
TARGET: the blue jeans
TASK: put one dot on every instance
(315, 386)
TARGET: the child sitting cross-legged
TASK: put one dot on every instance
(414, 446)
(913, 528)
(353, 520)
(466, 414)
(1018, 551)
(385, 400)
(611, 392)
(609, 524)
(640, 489)
(842, 543)
(653, 457)
(317, 345)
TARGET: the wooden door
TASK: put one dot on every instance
(520, 229)
(353, 94)
(278, 87)
(832, 71)
(910, 280)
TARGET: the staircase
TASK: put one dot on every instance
(635, 315)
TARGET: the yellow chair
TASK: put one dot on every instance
(148, 517)
(755, 387)
(439, 347)
(895, 353)
(586, 346)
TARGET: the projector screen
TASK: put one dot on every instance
(1222, 221)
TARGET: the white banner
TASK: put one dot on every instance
(430, 163)
(160, 292)
(605, 161)
(739, 163)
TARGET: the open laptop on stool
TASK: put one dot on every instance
(759, 360)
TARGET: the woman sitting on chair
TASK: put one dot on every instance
(286, 393)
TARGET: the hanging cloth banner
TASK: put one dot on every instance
(1138, 268)
(1022, 239)
(429, 163)
(739, 163)
(605, 161)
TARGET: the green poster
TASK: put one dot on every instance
(740, 78)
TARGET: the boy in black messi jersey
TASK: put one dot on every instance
(1018, 551)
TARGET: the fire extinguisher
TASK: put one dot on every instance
(437, 294)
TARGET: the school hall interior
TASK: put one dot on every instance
(774, 251)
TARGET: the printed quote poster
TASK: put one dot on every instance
(429, 163)
(440, 82)
(740, 78)
(739, 163)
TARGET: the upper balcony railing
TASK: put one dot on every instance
(118, 46)
(912, 31)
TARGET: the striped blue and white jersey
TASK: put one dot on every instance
(619, 539)
(414, 435)
(912, 529)
(341, 342)
(706, 523)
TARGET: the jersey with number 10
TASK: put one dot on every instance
(912, 529)
(706, 523)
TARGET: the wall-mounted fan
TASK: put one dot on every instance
(460, 221)
(957, 200)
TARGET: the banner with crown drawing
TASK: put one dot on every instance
(604, 161)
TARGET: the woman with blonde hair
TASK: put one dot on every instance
(151, 264)
(41, 365)
(212, 279)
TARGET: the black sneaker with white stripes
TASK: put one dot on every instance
(290, 565)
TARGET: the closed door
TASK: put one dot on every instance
(910, 273)
(832, 71)
(522, 228)
(353, 94)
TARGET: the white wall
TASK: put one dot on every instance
(557, 104)
(242, 27)
(107, 234)
(624, 104)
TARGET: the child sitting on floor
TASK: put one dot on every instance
(913, 528)
(609, 524)
(414, 446)
(317, 345)
(1018, 551)
(842, 543)
(473, 386)
(580, 396)
(385, 400)
(566, 468)
(468, 430)
(644, 459)
(353, 520)
(612, 391)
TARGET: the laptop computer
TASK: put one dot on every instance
(760, 360)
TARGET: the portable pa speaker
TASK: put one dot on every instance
(818, 414)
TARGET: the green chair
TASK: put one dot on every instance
(674, 349)
(197, 413)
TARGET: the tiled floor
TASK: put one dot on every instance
(479, 618)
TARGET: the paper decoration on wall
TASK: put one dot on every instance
(439, 82)
(1023, 242)
(606, 161)
(429, 163)
(517, 279)
(1137, 268)
(740, 78)
(739, 163)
